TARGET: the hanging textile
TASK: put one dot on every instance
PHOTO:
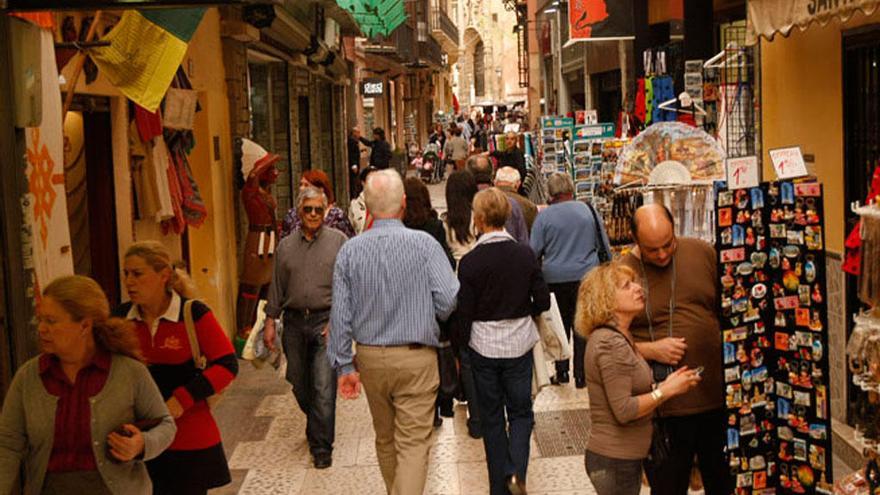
(852, 262)
(46, 203)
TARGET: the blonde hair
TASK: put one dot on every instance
(81, 298)
(492, 207)
(157, 256)
(597, 296)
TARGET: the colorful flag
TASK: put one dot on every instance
(146, 47)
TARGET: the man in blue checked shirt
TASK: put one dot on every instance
(390, 285)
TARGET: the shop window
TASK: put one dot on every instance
(270, 118)
(480, 69)
(861, 119)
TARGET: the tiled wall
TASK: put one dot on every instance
(837, 334)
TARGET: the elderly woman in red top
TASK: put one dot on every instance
(195, 461)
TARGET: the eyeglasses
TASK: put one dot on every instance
(317, 210)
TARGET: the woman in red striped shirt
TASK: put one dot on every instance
(195, 461)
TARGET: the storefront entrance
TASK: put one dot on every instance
(861, 118)
(88, 174)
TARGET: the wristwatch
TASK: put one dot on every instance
(657, 395)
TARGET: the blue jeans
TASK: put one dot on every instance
(470, 392)
(312, 378)
(504, 385)
(614, 476)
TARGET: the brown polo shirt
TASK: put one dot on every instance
(695, 319)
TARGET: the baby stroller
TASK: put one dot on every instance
(433, 163)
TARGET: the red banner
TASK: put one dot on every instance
(595, 20)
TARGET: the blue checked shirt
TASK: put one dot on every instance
(390, 284)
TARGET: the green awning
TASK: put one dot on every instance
(376, 17)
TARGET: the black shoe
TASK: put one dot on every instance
(580, 382)
(515, 485)
(438, 421)
(474, 432)
(560, 378)
(323, 461)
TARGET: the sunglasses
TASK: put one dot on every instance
(317, 210)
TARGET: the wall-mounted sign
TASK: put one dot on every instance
(372, 87)
(595, 131)
(594, 20)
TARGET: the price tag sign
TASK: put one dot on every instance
(788, 162)
(742, 172)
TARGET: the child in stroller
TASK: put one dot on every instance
(433, 162)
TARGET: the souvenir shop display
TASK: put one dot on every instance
(700, 154)
(623, 206)
(588, 158)
(863, 349)
(555, 131)
(770, 241)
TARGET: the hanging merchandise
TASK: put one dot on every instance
(624, 204)
(774, 319)
(692, 208)
(588, 159)
(852, 263)
(700, 154)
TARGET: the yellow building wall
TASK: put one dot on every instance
(212, 248)
(802, 105)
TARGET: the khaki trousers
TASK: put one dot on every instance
(401, 386)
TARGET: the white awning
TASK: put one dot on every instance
(768, 17)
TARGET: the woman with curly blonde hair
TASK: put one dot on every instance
(619, 380)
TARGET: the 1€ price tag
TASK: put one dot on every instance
(788, 162)
(742, 172)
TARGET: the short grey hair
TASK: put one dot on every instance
(509, 175)
(481, 167)
(560, 183)
(310, 193)
(384, 193)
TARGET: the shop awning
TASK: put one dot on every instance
(768, 17)
(376, 17)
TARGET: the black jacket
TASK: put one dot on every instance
(500, 281)
(380, 157)
(354, 152)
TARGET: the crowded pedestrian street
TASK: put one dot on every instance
(440, 247)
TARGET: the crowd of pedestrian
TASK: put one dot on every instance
(364, 299)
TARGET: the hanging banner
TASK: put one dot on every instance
(600, 20)
(46, 204)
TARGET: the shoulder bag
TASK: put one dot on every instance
(199, 359)
(601, 250)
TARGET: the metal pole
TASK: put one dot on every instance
(563, 104)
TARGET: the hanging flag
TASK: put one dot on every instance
(146, 47)
(46, 210)
(600, 20)
(376, 17)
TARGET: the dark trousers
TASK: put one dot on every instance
(505, 385)
(312, 378)
(566, 297)
(466, 372)
(700, 435)
(613, 476)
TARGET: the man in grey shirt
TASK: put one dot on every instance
(302, 289)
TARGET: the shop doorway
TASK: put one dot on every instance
(861, 118)
(305, 135)
(91, 196)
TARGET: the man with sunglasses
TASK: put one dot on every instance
(680, 327)
(301, 290)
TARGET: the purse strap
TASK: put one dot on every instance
(601, 252)
(198, 358)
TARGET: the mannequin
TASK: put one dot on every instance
(258, 168)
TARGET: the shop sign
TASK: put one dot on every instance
(372, 87)
(768, 17)
(742, 172)
(598, 20)
(597, 131)
(788, 162)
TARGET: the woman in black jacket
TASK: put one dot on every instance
(502, 289)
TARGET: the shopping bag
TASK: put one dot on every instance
(248, 352)
(540, 375)
(552, 333)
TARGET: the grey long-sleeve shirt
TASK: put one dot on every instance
(303, 274)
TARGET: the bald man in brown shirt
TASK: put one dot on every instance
(680, 327)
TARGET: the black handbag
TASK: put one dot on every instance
(450, 381)
(601, 251)
(661, 442)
